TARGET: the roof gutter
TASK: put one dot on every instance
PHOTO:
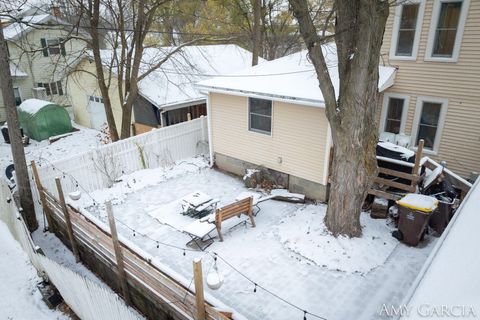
(260, 95)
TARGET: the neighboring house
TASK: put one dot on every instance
(273, 115)
(166, 96)
(41, 52)
(435, 44)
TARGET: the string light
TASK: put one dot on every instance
(215, 255)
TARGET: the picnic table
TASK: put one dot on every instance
(198, 204)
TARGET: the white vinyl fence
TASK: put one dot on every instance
(98, 168)
(87, 299)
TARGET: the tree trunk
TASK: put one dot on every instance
(359, 30)
(21, 171)
(94, 24)
(257, 31)
(126, 120)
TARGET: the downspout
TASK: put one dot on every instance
(209, 129)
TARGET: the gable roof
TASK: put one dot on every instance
(174, 82)
(291, 78)
(26, 24)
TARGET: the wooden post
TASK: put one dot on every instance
(197, 274)
(118, 253)
(40, 189)
(418, 157)
(66, 214)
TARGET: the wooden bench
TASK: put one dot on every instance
(238, 208)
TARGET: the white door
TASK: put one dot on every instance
(96, 110)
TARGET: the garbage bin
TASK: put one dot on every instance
(441, 216)
(414, 214)
(5, 134)
(6, 137)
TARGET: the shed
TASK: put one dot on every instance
(43, 119)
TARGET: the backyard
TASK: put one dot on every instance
(289, 252)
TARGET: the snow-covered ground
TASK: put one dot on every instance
(78, 142)
(289, 252)
(19, 296)
(18, 278)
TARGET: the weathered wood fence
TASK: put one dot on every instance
(88, 299)
(126, 268)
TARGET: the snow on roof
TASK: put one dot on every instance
(406, 153)
(15, 71)
(174, 82)
(291, 78)
(450, 275)
(25, 24)
(32, 106)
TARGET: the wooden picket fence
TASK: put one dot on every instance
(134, 270)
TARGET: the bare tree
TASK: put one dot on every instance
(359, 30)
(128, 24)
(257, 31)
(21, 171)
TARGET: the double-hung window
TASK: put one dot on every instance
(428, 122)
(52, 88)
(53, 46)
(394, 113)
(260, 115)
(406, 30)
(446, 29)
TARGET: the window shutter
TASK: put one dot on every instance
(62, 47)
(60, 89)
(44, 47)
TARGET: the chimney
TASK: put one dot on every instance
(55, 11)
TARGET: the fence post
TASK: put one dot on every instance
(41, 193)
(197, 274)
(417, 162)
(66, 214)
(118, 253)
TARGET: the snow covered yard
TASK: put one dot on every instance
(76, 143)
(290, 253)
(20, 298)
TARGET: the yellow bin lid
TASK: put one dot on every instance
(418, 202)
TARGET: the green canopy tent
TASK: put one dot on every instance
(43, 119)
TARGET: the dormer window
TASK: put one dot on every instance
(406, 30)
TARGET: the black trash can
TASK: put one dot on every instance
(5, 134)
(441, 216)
(414, 220)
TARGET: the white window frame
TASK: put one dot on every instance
(53, 46)
(396, 28)
(386, 100)
(441, 122)
(260, 132)
(458, 37)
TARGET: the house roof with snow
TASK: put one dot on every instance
(15, 71)
(450, 275)
(26, 24)
(173, 84)
(291, 78)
